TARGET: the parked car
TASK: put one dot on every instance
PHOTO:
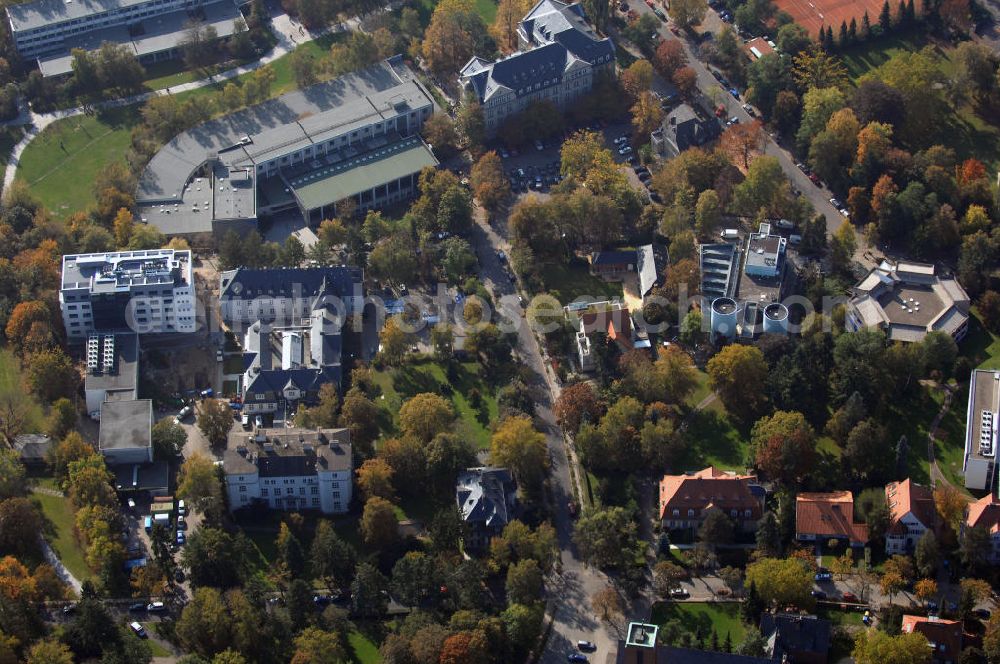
(823, 575)
(183, 414)
(156, 607)
(802, 167)
(679, 593)
(734, 92)
(815, 179)
(181, 508)
(818, 594)
(849, 597)
(139, 630)
(218, 354)
(625, 150)
(69, 608)
(659, 14)
(749, 109)
(138, 607)
(732, 121)
(835, 202)
(576, 657)
(181, 523)
(181, 538)
(586, 646)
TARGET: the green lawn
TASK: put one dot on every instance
(981, 346)
(58, 529)
(155, 646)
(862, 58)
(568, 282)
(11, 385)
(700, 391)
(705, 617)
(487, 10)
(363, 651)
(965, 129)
(714, 440)
(949, 444)
(60, 164)
(400, 384)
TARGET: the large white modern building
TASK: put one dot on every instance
(558, 60)
(47, 30)
(352, 138)
(289, 469)
(149, 291)
(981, 426)
(907, 300)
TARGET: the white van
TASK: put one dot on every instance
(729, 234)
(181, 507)
(139, 630)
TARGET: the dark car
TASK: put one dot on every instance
(818, 594)
(322, 600)
(179, 576)
(823, 574)
(138, 607)
(576, 657)
(849, 597)
(69, 608)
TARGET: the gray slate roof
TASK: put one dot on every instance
(486, 496)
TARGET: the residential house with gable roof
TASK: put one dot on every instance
(911, 514)
(685, 500)
(825, 516)
(985, 513)
(944, 636)
(558, 59)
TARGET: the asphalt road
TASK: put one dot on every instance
(569, 591)
(818, 196)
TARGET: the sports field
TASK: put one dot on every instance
(816, 14)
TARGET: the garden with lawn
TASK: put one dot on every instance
(58, 527)
(695, 622)
(465, 385)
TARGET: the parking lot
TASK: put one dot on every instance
(536, 167)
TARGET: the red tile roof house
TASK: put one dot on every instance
(911, 514)
(686, 499)
(985, 513)
(944, 636)
(824, 516)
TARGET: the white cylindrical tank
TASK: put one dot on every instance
(775, 318)
(724, 314)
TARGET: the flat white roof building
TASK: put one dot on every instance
(981, 426)
(149, 291)
(907, 300)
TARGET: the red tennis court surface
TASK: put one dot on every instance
(816, 14)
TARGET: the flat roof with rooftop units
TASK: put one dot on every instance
(982, 425)
(908, 300)
(353, 136)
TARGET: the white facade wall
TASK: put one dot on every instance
(327, 491)
(905, 543)
(40, 40)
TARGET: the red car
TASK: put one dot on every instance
(815, 180)
(849, 597)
